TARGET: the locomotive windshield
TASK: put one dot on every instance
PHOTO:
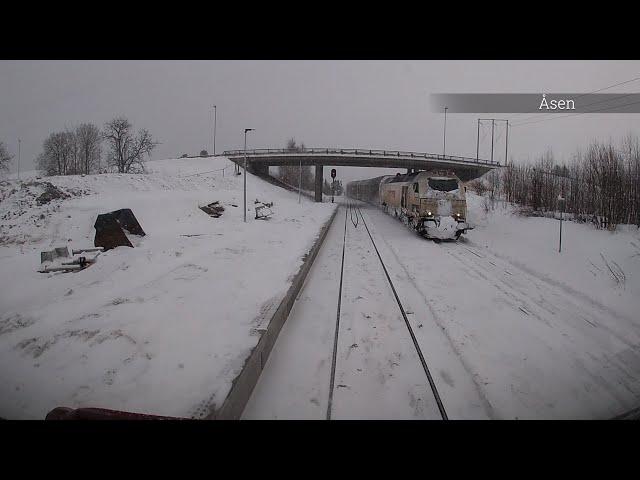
(443, 184)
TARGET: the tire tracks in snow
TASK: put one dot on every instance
(571, 307)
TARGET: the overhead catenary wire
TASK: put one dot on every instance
(581, 95)
(525, 121)
(556, 117)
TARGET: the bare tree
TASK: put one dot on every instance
(291, 173)
(74, 152)
(127, 151)
(5, 157)
(71, 152)
(601, 184)
(89, 141)
(57, 155)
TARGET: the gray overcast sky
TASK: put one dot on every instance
(372, 104)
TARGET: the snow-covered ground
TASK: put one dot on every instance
(161, 328)
(509, 327)
(583, 266)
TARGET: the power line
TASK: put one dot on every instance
(524, 122)
(588, 93)
(574, 114)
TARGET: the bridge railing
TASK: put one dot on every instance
(357, 151)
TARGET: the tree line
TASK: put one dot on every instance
(290, 174)
(80, 150)
(5, 157)
(337, 188)
(601, 183)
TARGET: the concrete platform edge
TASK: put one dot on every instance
(245, 382)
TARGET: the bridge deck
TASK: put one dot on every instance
(317, 154)
(260, 159)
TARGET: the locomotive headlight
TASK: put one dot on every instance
(428, 214)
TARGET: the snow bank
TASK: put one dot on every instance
(161, 328)
(598, 265)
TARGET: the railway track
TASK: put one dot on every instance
(364, 342)
(335, 338)
(356, 217)
(381, 324)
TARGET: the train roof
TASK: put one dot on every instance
(405, 178)
(410, 177)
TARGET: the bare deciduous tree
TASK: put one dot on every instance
(71, 152)
(5, 157)
(290, 174)
(57, 157)
(89, 141)
(601, 184)
(126, 151)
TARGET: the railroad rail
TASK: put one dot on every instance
(351, 208)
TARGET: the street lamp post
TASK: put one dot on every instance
(506, 144)
(444, 142)
(299, 179)
(245, 171)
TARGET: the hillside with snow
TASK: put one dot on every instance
(599, 266)
(161, 328)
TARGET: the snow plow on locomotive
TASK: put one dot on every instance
(431, 202)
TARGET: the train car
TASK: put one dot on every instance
(431, 202)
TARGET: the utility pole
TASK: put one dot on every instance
(478, 143)
(214, 129)
(444, 141)
(19, 141)
(506, 145)
(493, 124)
(561, 201)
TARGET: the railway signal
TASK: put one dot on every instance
(333, 183)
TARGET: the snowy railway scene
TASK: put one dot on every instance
(319, 240)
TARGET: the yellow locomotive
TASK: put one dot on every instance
(431, 202)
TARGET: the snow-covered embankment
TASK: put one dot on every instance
(162, 328)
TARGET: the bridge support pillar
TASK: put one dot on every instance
(258, 168)
(318, 181)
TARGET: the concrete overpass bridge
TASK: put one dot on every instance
(259, 160)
